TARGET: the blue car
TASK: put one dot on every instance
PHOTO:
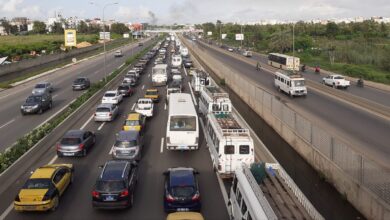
(181, 190)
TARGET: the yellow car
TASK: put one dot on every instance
(152, 94)
(185, 216)
(134, 122)
(43, 189)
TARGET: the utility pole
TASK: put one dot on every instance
(293, 48)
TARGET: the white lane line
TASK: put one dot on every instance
(143, 86)
(132, 108)
(165, 106)
(192, 94)
(85, 124)
(7, 211)
(162, 145)
(185, 71)
(112, 149)
(121, 65)
(53, 159)
(55, 96)
(101, 126)
(7, 123)
(149, 75)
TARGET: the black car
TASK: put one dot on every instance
(115, 186)
(188, 63)
(125, 90)
(76, 143)
(181, 190)
(36, 104)
(81, 83)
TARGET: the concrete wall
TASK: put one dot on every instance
(319, 148)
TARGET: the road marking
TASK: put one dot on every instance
(7, 211)
(112, 149)
(192, 94)
(143, 86)
(7, 123)
(101, 126)
(165, 106)
(121, 65)
(55, 96)
(185, 71)
(85, 124)
(132, 108)
(162, 145)
(149, 75)
(53, 159)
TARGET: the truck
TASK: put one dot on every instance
(144, 106)
(336, 81)
(160, 75)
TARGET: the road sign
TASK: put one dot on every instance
(209, 33)
(104, 35)
(126, 35)
(223, 36)
(70, 38)
(239, 36)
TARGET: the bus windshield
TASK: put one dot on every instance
(183, 123)
(299, 83)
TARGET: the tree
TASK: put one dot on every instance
(57, 28)
(82, 27)
(39, 27)
(7, 27)
(332, 29)
(119, 28)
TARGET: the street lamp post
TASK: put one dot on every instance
(293, 37)
(104, 40)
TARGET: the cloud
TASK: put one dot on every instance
(140, 13)
(10, 5)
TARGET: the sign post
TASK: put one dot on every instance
(70, 38)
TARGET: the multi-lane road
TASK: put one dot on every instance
(367, 132)
(148, 203)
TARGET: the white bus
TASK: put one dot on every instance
(214, 99)
(230, 144)
(182, 125)
(176, 61)
(283, 61)
(290, 83)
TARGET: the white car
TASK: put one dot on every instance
(144, 106)
(112, 97)
(336, 81)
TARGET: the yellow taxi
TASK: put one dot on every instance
(134, 122)
(43, 189)
(152, 94)
(185, 216)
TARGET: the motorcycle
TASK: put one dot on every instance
(303, 68)
(317, 69)
(360, 82)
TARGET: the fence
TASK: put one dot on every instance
(361, 170)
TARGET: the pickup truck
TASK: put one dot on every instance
(144, 106)
(337, 81)
(247, 53)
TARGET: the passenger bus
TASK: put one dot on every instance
(214, 99)
(182, 125)
(283, 61)
(291, 83)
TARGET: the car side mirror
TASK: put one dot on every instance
(101, 166)
(196, 172)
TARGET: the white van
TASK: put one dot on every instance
(184, 51)
(182, 125)
(214, 99)
(199, 80)
(176, 61)
(290, 83)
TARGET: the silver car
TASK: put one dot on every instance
(106, 112)
(42, 87)
(128, 146)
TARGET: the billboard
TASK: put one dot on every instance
(223, 36)
(209, 33)
(126, 35)
(239, 36)
(70, 38)
(104, 35)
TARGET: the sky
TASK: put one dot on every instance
(196, 11)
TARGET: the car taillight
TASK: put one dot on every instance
(95, 194)
(81, 146)
(169, 198)
(196, 197)
(125, 193)
(110, 114)
(58, 146)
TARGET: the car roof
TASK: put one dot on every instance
(185, 215)
(74, 133)
(144, 100)
(181, 176)
(43, 173)
(111, 91)
(152, 90)
(133, 116)
(105, 105)
(114, 170)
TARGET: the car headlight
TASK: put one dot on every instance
(36, 106)
(22, 107)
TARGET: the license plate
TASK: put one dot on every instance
(182, 147)
(182, 209)
(29, 208)
(109, 198)
(68, 154)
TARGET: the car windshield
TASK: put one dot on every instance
(126, 144)
(182, 191)
(109, 94)
(40, 86)
(70, 141)
(338, 77)
(299, 82)
(132, 122)
(183, 123)
(37, 184)
(103, 109)
(108, 186)
(79, 80)
(33, 99)
(151, 92)
(123, 88)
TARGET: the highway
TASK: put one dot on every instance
(367, 132)
(148, 203)
(13, 125)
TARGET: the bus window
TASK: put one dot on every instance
(225, 107)
(243, 208)
(249, 216)
(288, 83)
(216, 107)
(229, 149)
(244, 149)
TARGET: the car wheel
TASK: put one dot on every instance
(334, 86)
(279, 89)
(40, 111)
(131, 202)
(50, 105)
(56, 201)
(59, 155)
(84, 152)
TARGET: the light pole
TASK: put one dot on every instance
(293, 37)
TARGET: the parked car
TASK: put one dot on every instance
(115, 186)
(185, 216)
(134, 122)
(112, 97)
(336, 81)
(118, 53)
(128, 145)
(81, 83)
(145, 107)
(42, 191)
(42, 87)
(36, 104)
(152, 94)
(76, 143)
(106, 112)
(181, 190)
(125, 90)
